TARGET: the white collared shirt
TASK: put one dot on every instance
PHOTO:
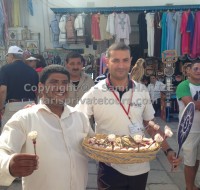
(111, 119)
(62, 163)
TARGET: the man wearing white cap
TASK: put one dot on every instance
(18, 84)
(32, 62)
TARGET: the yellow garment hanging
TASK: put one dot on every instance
(16, 13)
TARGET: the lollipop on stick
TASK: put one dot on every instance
(138, 139)
(111, 139)
(33, 135)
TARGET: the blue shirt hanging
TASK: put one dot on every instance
(30, 7)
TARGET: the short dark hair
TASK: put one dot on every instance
(195, 61)
(53, 69)
(74, 55)
(41, 62)
(117, 46)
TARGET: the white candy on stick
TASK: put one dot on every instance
(33, 136)
(111, 138)
(158, 138)
(156, 127)
(138, 139)
(151, 123)
(168, 132)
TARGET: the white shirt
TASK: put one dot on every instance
(79, 24)
(111, 119)
(154, 90)
(110, 27)
(62, 163)
(123, 27)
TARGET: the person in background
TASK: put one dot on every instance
(59, 161)
(186, 68)
(18, 84)
(145, 81)
(113, 103)
(80, 82)
(177, 79)
(155, 87)
(26, 55)
(41, 63)
(32, 62)
(186, 92)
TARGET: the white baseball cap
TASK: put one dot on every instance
(32, 59)
(15, 50)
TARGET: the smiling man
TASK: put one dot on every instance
(118, 104)
(189, 91)
(60, 131)
(80, 82)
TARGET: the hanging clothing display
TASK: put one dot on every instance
(96, 36)
(69, 27)
(134, 35)
(190, 28)
(185, 35)
(157, 34)
(79, 24)
(102, 25)
(142, 33)
(88, 30)
(30, 7)
(177, 18)
(62, 27)
(158, 31)
(110, 27)
(196, 39)
(164, 32)
(123, 28)
(16, 13)
(2, 21)
(8, 9)
(171, 27)
(54, 26)
(150, 33)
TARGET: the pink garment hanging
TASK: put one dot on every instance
(196, 39)
(96, 36)
(102, 63)
(70, 27)
(185, 46)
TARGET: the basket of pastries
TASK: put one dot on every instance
(124, 149)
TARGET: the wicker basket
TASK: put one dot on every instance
(118, 157)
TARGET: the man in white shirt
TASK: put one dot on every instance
(118, 103)
(155, 87)
(60, 162)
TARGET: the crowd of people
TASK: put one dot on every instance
(64, 112)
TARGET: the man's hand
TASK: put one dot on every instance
(171, 156)
(22, 165)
